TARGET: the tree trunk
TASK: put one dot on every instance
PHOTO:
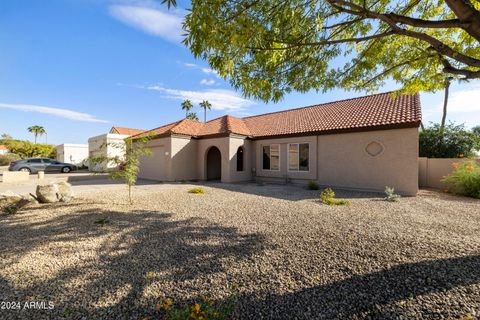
(445, 103)
(35, 135)
(205, 115)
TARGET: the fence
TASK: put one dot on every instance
(432, 170)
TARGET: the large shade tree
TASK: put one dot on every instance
(271, 47)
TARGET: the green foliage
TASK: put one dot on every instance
(102, 221)
(328, 197)
(476, 129)
(391, 196)
(453, 141)
(205, 105)
(26, 149)
(13, 209)
(6, 136)
(269, 48)
(187, 106)
(37, 131)
(207, 309)
(313, 185)
(196, 190)
(6, 159)
(192, 116)
(465, 179)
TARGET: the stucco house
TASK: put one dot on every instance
(362, 143)
(3, 149)
(108, 145)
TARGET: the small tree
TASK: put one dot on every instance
(476, 129)
(451, 141)
(6, 136)
(37, 131)
(127, 167)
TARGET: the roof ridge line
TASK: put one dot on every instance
(321, 104)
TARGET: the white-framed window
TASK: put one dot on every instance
(271, 157)
(298, 157)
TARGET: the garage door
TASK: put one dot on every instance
(154, 167)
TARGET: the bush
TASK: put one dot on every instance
(207, 309)
(197, 190)
(391, 195)
(465, 179)
(328, 197)
(313, 185)
(26, 149)
(6, 159)
(454, 141)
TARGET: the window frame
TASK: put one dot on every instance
(288, 157)
(270, 152)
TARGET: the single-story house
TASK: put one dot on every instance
(108, 145)
(72, 153)
(3, 149)
(362, 143)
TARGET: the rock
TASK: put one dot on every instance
(65, 192)
(47, 193)
(8, 198)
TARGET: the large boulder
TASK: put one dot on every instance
(55, 192)
(47, 193)
(65, 192)
(8, 198)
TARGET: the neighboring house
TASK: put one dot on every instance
(363, 143)
(3, 149)
(108, 146)
(76, 154)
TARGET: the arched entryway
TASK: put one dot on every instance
(214, 164)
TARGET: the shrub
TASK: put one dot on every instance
(454, 141)
(465, 179)
(102, 221)
(207, 309)
(328, 197)
(197, 190)
(391, 195)
(313, 185)
(13, 209)
(26, 149)
(6, 159)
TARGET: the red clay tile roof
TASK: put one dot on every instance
(377, 111)
(123, 130)
(3, 147)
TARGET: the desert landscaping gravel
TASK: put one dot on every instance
(277, 248)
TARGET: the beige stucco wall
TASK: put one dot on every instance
(203, 145)
(106, 145)
(158, 165)
(344, 162)
(234, 144)
(183, 155)
(283, 172)
(432, 170)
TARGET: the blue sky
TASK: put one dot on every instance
(77, 67)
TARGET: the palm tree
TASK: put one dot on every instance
(192, 116)
(206, 106)
(187, 106)
(37, 131)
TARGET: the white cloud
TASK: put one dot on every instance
(190, 65)
(463, 101)
(58, 112)
(150, 20)
(207, 82)
(220, 99)
(207, 71)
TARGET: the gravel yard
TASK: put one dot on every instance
(278, 248)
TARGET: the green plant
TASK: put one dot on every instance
(13, 209)
(313, 185)
(37, 131)
(128, 165)
(328, 197)
(196, 190)
(452, 141)
(465, 179)
(391, 196)
(206, 309)
(6, 159)
(102, 221)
